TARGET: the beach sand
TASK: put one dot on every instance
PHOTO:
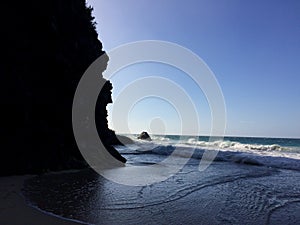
(235, 189)
(15, 211)
(225, 193)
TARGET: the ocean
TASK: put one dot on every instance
(291, 145)
(276, 152)
(250, 181)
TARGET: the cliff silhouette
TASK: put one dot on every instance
(46, 47)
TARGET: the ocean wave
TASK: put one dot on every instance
(218, 144)
(274, 155)
(280, 161)
(236, 145)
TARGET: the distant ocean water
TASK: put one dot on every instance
(230, 142)
(251, 181)
(277, 152)
(247, 144)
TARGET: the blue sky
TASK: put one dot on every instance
(253, 48)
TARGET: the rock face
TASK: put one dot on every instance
(46, 47)
(125, 140)
(144, 136)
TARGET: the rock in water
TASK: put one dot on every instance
(144, 136)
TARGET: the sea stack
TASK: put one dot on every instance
(144, 136)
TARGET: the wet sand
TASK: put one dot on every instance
(225, 193)
(15, 211)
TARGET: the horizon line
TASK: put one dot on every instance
(205, 135)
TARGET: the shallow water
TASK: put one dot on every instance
(242, 186)
(225, 193)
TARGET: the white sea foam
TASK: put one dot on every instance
(258, 154)
(236, 145)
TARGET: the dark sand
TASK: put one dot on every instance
(14, 210)
(225, 193)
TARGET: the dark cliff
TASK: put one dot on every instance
(46, 46)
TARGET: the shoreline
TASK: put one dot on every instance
(225, 192)
(15, 211)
